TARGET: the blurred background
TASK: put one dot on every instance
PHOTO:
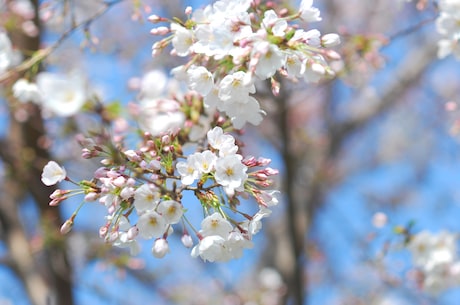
(365, 160)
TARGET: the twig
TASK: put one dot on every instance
(43, 53)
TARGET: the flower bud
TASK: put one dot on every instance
(103, 231)
(67, 226)
(162, 30)
(91, 196)
(154, 18)
(187, 241)
(59, 194)
(160, 248)
(330, 40)
(132, 233)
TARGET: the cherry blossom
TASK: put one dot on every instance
(53, 173)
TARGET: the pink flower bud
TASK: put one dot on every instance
(270, 171)
(127, 192)
(263, 161)
(120, 181)
(113, 236)
(103, 231)
(92, 196)
(58, 194)
(101, 172)
(56, 202)
(154, 18)
(132, 155)
(131, 181)
(86, 153)
(188, 10)
(162, 30)
(112, 174)
(166, 139)
(132, 233)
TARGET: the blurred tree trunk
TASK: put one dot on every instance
(45, 273)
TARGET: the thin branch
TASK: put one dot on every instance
(40, 55)
(411, 29)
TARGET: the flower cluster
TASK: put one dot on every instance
(143, 189)
(185, 144)
(448, 25)
(244, 42)
(436, 257)
(56, 94)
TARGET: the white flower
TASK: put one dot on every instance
(182, 40)
(205, 161)
(448, 25)
(272, 21)
(255, 224)
(236, 87)
(146, 198)
(211, 248)
(215, 224)
(200, 80)
(160, 116)
(151, 225)
(270, 61)
(270, 197)
(62, 95)
(449, 6)
(247, 112)
(160, 248)
(431, 250)
(313, 71)
(217, 139)
(309, 13)
(126, 236)
(24, 91)
(6, 52)
(231, 173)
(53, 173)
(188, 170)
(311, 37)
(236, 243)
(293, 65)
(171, 211)
(330, 40)
(212, 101)
(153, 84)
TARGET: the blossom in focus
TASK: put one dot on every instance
(151, 225)
(53, 173)
(231, 173)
